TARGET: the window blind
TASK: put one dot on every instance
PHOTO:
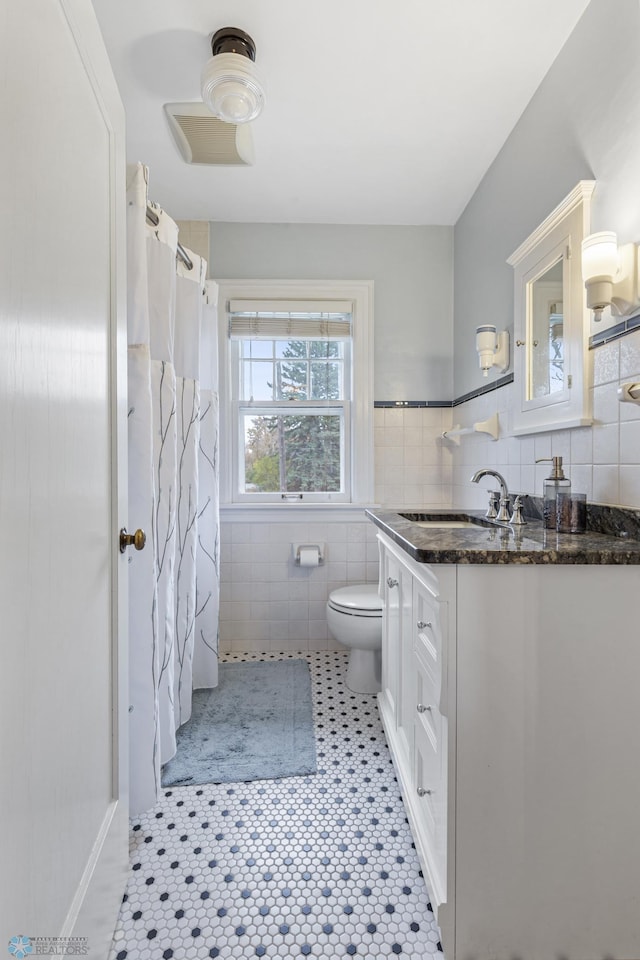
(289, 320)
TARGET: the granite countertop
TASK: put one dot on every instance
(492, 542)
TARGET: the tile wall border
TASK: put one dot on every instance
(619, 330)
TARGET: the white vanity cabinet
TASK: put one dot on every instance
(511, 704)
(416, 699)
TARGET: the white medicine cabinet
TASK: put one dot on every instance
(551, 321)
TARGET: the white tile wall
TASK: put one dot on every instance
(413, 466)
(602, 461)
(269, 603)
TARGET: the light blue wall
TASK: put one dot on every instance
(412, 269)
(582, 123)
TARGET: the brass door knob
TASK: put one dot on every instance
(137, 539)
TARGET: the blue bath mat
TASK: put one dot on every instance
(257, 724)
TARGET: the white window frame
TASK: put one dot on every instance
(243, 407)
(359, 459)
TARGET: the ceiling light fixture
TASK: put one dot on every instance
(230, 85)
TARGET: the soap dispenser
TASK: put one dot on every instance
(554, 484)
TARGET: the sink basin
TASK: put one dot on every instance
(444, 522)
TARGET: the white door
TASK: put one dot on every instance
(63, 758)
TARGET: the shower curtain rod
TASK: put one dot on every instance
(153, 219)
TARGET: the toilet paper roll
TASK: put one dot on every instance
(309, 557)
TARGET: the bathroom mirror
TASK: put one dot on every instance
(546, 375)
(551, 321)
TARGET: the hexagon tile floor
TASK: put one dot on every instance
(312, 866)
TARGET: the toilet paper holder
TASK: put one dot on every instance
(297, 547)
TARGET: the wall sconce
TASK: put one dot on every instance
(493, 348)
(230, 86)
(610, 274)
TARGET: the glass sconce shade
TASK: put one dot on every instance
(231, 88)
(486, 345)
(492, 348)
(600, 256)
(600, 266)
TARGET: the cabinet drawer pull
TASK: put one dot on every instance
(391, 582)
(422, 624)
(421, 708)
(422, 792)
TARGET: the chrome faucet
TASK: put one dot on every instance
(503, 513)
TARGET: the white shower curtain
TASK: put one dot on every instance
(174, 585)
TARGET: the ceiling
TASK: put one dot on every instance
(378, 111)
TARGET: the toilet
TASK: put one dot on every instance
(354, 615)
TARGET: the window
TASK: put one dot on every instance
(296, 408)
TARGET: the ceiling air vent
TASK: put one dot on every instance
(202, 138)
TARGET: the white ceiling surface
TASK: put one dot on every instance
(378, 111)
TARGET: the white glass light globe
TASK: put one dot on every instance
(233, 102)
(600, 256)
(231, 88)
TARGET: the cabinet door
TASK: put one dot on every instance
(398, 673)
(430, 800)
(430, 753)
(390, 592)
(407, 669)
(552, 364)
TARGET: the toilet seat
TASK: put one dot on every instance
(361, 600)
